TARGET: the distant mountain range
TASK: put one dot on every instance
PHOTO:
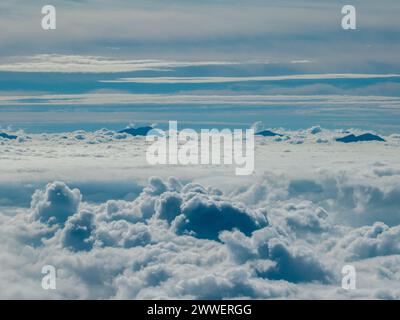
(143, 131)
(363, 137)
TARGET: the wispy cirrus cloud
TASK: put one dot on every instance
(96, 64)
(207, 30)
(255, 78)
(96, 99)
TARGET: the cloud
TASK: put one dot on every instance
(187, 28)
(55, 204)
(284, 232)
(59, 63)
(200, 209)
(304, 217)
(234, 100)
(296, 265)
(239, 246)
(187, 209)
(104, 254)
(370, 241)
(120, 233)
(175, 80)
(77, 233)
(169, 206)
(283, 258)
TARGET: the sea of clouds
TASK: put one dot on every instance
(115, 227)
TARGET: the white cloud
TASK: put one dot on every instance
(77, 233)
(95, 64)
(176, 80)
(370, 241)
(96, 99)
(55, 204)
(197, 235)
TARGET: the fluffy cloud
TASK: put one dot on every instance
(79, 238)
(122, 234)
(77, 233)
(200, 210)
(55, 204)
(285, 232)
(296, 265)
(305, 217)
(287, 260)
(370, 241)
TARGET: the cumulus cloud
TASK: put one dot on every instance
(198, 211)
(296, 265)
(188, 209)
(77, 233)
(240, 247)
(148, 228)
(169, 206)
(56, 203)
(370, 241)
(304, 217)
(285, 232)
(121, 233)
(286, 260)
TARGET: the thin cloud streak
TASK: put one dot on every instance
(168, 99)
(244, 79)
(97, 64)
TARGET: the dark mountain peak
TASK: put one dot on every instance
(268, 133)
(363, 137)
(7, 136)
(141, 131)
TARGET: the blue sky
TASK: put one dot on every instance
(88, 63)
(198, 30)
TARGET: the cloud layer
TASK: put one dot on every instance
(282, 233)
(211, 30)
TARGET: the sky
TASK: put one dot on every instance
(128, 62)
(204, 30)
